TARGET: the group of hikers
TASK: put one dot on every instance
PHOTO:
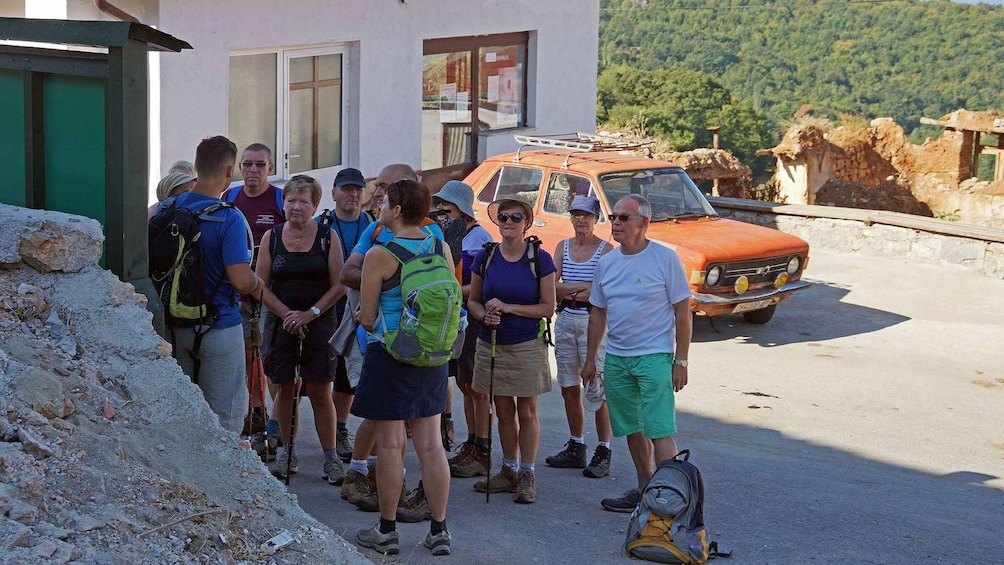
(298, 283)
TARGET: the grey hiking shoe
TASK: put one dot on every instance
(572, 457)
(470, 463)
(439, 543)
(373, 539)
(355, 486)
(503, 481)
(371, 502)
(624, 503)
(278, 467)
(599, 467)
(343, 445)
(416, 508)
(334, 472)
(526, 487)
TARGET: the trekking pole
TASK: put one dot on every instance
(297, 386)
(491, 401)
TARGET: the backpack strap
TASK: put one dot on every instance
(278, 201)
(326, 218)
(273, 243)
(533, 255)
(231, 194)
(490, 247)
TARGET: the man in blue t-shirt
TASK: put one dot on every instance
(348, 221)
(226, 255)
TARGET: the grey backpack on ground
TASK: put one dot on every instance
(668, 524)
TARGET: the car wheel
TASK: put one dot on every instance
(760, 316)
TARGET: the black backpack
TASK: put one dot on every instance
(668, 524)
(533, 257)
(176, 268)
(454, 231)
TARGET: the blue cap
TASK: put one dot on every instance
(350, 177)
(586, 204)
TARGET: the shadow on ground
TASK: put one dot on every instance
(819, 312)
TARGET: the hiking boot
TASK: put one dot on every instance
(439, 543)
(343, 445)
(626, 502)
(472, 463)
(446, 429)
(355, 486)
(599, 467)
(334, 472)
(416, 508)
(371, 502)
(278, 467)
(504, 481)
(260, 445)
(461, 451)
(386, 544)
(572, 457)
(526, 487)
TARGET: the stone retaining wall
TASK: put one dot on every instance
(885, 234)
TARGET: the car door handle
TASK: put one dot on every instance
(539, 223)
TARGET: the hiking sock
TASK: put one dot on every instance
(371, 461)
(342, 426)
(511, 463)
(359, 466)
(605, 444)
(330, 454)
(526, 466)
(272, 428)
(437, 527)
(471, 438)
(579, 440)
(483, 443)
(387, 526)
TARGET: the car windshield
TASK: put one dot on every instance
(669, 190)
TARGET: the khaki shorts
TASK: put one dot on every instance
(521, 369)
(570, 337)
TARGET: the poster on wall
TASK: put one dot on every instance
(448, 102)
(493, 88)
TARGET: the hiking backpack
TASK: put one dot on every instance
(430, 318)
(533, 256)
(668, 524)
(176, 267)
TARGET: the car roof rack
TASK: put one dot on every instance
(579, 142)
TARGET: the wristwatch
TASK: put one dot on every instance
(680, 362)
(317, 312)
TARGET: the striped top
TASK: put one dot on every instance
(572, 272)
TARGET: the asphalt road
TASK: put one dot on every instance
(863, 424)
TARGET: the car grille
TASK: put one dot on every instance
(757, 270)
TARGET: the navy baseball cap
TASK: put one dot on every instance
(349, 177)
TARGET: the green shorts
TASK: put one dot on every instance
(640, 395)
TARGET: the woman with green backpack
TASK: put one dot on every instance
(404, 376)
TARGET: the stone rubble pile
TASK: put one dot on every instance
(108, 453)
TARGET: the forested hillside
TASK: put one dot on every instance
(898, 58)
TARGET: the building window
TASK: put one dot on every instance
(293, 101)
(470, 85)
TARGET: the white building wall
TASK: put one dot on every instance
(386, 64)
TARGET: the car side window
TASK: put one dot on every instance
(514, 181)
(562, 188)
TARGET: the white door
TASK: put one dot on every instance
(315, 109)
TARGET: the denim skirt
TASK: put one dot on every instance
(391, 390)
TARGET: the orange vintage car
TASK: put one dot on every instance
(734, 267)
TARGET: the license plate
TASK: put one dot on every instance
(750, 306)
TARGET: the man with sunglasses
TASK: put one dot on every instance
(646, 356)
(261, 204)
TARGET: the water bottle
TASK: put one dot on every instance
(463, 320)
(409, 322)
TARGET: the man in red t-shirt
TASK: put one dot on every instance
(261, 204)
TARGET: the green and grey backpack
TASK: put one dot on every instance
(430, 319)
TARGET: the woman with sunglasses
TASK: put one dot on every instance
(391, 392)
(508, 296)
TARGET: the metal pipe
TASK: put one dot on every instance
(114, 11)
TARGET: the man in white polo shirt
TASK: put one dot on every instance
(646, 360)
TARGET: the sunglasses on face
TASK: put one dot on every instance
(504, 217)
(624, 217)
(259, 164)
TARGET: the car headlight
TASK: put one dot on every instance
(714, 273)
(793, 265)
